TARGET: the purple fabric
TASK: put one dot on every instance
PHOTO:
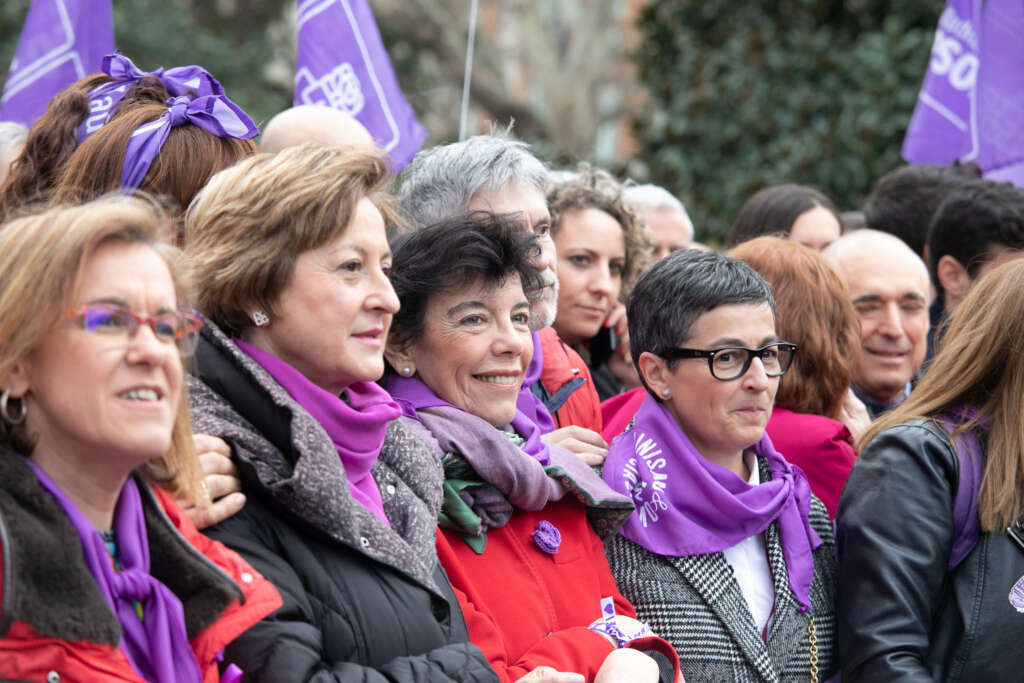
(193, 81)
(528, 402)
(341, 62)
(972, 98)
(687, 505)
(61, 42)
(156, 646)
(413, 395)
(547, 537)
(966, 525)
(215, 114)
(357, 428)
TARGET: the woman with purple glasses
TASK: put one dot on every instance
(104, 577)
(728, 556)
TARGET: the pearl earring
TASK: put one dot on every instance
(406, 371)
(260, 318)
(665, 393)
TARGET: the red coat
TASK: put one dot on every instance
(563, 366)
(525, 608)
(821, 447)
(46, 618)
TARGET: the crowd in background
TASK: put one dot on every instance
(269, 412)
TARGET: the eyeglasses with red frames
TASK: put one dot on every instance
(180, 328)
(731, 362)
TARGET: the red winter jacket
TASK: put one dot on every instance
(55, 624)
(569, 389)
(525, 608)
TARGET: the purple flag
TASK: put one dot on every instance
(341, 62)
(971, 105)
(61, 42)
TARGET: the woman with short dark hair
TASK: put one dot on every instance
(796, 212)
(728, 555)
(522, 521)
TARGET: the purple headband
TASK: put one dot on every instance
(215, 114)
(180, 80)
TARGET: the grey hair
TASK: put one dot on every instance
(12, 134)
(441, 181)
(669, 297)
(644, 198)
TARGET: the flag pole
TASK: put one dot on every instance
(470, 39)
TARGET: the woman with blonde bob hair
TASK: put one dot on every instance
(291, 262)
(931, 547)
(811, 424)
(111, 578)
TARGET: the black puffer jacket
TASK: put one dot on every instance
(902, 615)
(362, 602)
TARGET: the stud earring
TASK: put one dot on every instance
(260, 318)
(665, 393)
(406, 371)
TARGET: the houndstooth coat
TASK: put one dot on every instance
(696, 605)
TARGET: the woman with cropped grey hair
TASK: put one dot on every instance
(728, 555)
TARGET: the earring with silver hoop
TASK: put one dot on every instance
(5, 411)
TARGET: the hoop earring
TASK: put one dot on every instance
(6, 413)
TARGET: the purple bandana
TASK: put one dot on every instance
(412, 395)
(156, 646)
(193, 81)
(357, 428)
(528, 402)
(687, 505)
(215, 114)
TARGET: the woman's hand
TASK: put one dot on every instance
(545, 674)
(220, 480)
(585, 443)
(628, 666)
(853, 414)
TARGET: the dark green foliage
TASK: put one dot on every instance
(747, 94)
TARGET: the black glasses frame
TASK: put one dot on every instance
(678, 352)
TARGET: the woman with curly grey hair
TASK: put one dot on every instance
(602, 247)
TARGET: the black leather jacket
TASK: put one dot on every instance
(902, 614)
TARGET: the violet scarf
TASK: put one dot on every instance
(357, 428)
(528, 402)
(156, 646)
(215, 114)
(194, 81)
(687, 505)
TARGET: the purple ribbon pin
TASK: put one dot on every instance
(1017, 595)
(547, 537)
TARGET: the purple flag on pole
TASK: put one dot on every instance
(341, 62)
(61, 42)
(971, 105)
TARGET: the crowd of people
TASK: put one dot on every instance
(270, 413)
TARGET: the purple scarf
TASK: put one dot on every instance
(215, 114)
(156, 646)
(412, 395)
(528, 402)
(688, 505)
(194, 81)
(357, 428)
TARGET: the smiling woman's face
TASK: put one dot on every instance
(724, 418)
(475, 348)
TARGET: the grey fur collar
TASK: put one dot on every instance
(290, 458)
(47, 585)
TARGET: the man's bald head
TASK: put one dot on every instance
(889, 286)
(318, 124)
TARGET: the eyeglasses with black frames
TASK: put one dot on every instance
(180, 328)
(731, 362)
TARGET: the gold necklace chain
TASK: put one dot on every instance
(813, 640)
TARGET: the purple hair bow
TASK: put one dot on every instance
(180, 80)
(215, 114)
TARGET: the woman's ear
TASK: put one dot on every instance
(654, 372)
(400, 358)
(16, 384)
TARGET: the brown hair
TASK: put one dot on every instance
(815, 313)
(979, 364)
(42, 258)
(187, 160)
(247, 227)
(593, 188)
(52, 139)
